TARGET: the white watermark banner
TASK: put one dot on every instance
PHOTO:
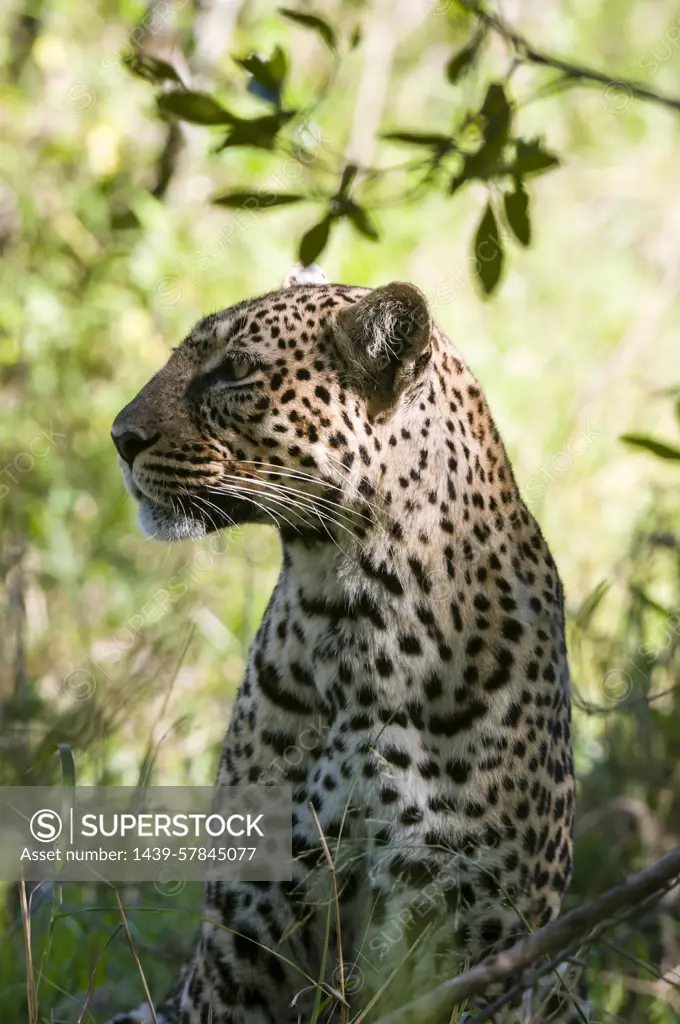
(128, 834)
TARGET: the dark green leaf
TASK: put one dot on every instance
(348, 176)
(314, 22)
(517, 213)
(488, 251)
(355, 37)
(486, 161)
(278, 65)
(314, 242)
(124, 219)
(531, 158)
(460, 63)
(151, 68)
(498, 114)
(420, 139)
(658, 448)
(195, 107)
(261, 200)
(259, 132)
(463, 61)
(68, 768)
(361, 220)
(270, 75)
(482, 164)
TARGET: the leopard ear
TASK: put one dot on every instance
(300, 274)
(384, 338)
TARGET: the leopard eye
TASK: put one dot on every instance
(234, 370)
(241, 369)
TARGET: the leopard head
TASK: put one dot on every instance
(278, 409)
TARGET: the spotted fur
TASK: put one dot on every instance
(409, 678)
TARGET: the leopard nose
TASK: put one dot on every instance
(129, 444)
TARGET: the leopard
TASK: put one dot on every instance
(415, 637)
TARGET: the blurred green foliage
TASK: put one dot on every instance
(129, 652)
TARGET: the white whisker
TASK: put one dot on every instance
(287, 502)
(290, 491)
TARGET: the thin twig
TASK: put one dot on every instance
(93, 974)
(664, 976)
(588, 708)
(344, 1007)
(530, 54)
(30, 980)
(131, 944)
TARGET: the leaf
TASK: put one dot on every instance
(348, 176)
(259, 132)
(264, 200)
(355, 37)
(485, 162)
(361, 220)
(464, 59)
(488, 251)
(195, 107)
(420, 139)
(313, 22)
(270, 75)
(517, 213)
(498, 114)
(68, 768)
(650, 444)
(460, 63)
(151, 68)
(314, 242)
(124, 219)
(482, 164)
(531, 158)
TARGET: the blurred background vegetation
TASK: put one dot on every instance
(129, 653)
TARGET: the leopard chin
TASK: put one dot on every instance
(160, 523)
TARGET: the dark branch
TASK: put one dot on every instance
(529, 53)
(589, 708)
